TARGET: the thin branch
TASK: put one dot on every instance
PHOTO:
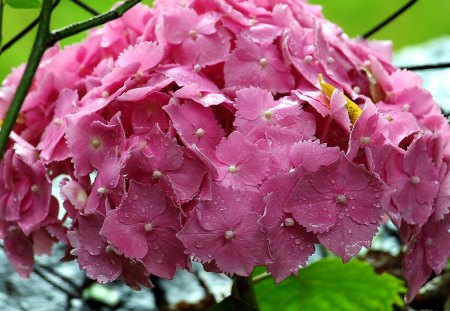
(389, 19)
(428, 66)
(86, 7)
(261, 277)
(26, 30)
(64, 278)
(74, 29)
(56, 285)
(39, 47)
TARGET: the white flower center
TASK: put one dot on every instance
(193, 34)
(414, 180)
(308, 59)
(200, 132)
(288, 222)
(96, 143)
(341, 198)
(263, 62)
(267, 115)
(57, 121)
(156, 174)
(105, 94)
(232, 169)
(148, 227)
(364, 140)
(229, 234)
(35, 188)
(101, 190)
(406, 107)
(357, 89)
(197, 68)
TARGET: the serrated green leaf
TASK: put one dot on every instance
(24, 4)
(331, 285)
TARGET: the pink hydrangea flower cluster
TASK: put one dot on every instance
(232, 133)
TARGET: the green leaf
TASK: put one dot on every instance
(24, 4)
(331, 285)
(228, 305)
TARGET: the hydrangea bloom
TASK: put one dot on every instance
(233, 133)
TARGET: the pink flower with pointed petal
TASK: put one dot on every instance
(195, 124)
(52, 144)
(289, 243)
(90, 140)
(18, 248)
(144, 226)
(99, 258)
(248, 167)
(259, 65)
(311, 155)
(428, 252)
(342, 203)
(415, 177)
(195, 38)
(108, 188)
(227, 231)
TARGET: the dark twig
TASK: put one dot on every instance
(427, 66)
(26, 30)
(60, 276)
(389, 19)
(86, 7)
(74, 29)
(56, 285)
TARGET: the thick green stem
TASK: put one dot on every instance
(45, 39)
(1, 24)
(39, 47)
(92, 22)
(243, 290)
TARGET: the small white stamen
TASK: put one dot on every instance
(148, 227)
(263, 62)
(156, 174)
(193, 34)
(388, 117)
(105, 94)
(200, 132)
(267, 115)
(289, 222)
(232, 169)
(357, 89)
(414, 180)
(101, 190)
(308, 59)
(35, 188)
(364, 140)
(406, 107)
(96, 143)
(229, 234)
(330, 60)
(341, 198)
(138, 75)
(57, 121)
(252, 22)
(197, 68)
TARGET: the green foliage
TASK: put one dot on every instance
(331, 285)
(24, 4)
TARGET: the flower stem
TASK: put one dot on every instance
(39, 47)
(45, 39)
(74, 29)
(243, 290)
(261, 277)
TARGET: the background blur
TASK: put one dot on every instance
(427, 19)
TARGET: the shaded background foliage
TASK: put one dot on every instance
(425, 20)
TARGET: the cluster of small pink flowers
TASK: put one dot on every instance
(233, 133)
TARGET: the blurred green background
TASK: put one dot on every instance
(427, 19)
